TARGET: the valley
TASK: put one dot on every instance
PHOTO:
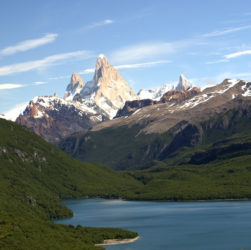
(185, 144)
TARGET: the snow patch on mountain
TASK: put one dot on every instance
(13, 113)
(247, 89)
(108, 90)
(156, 93)
(74, 87)
(230, 83)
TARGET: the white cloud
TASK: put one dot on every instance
(96, 24)
(59, 77)
(128, 66)
(218, 61)
(141, 65)
(4, 86)
(209, 81)
(28, 44)
(39, 83)
(226, 31)
(13, 113)
(87, 71)
(150, 50)
(43, 63)
(243, 75)
(108, 21)
(10, 86)
(142, 51)
(237, 54)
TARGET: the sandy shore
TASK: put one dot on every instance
(117, 241)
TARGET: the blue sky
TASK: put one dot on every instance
(43, 42)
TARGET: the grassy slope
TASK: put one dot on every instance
(120, 148)
(222, 169)
(218, 168)
(124, 148)
(34, 177)
(220, 179)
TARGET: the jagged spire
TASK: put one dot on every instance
(76, 79)
(102, 62)
(74, 87)
(184, 84)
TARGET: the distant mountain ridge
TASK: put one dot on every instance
(172, 97)
(54, 118)
(83, 106)
(157, 93)
(157, 131)
(107, 96)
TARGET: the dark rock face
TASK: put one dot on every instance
(174, 96)
(189, 136)
(223, 152)
(131, 106)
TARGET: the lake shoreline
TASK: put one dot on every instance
(158, 200)
(160, 225)
(117, 241)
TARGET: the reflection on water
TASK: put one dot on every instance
(170, 225)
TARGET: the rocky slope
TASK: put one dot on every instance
(172, 97)
(108, 90)
(74, 87)
(83, 106)
(155, 132)
(53, 118)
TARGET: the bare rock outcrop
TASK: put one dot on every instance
(74, 87)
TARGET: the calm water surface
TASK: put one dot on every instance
(170, 225)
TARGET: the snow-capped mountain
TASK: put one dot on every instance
(87, 105)
(173, 97)
(179, 100)
(54, 118)
(14, 112)
(157, 93)
(83, 106)
(184, 84)
(153, 131)
(108, 90)
(74, 87)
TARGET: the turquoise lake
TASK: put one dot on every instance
(169, 225)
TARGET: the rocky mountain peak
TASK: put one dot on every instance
(184, 84)
(108, 89)
(157, 93)
(105, 72)
(76, 80)
(102, 61)
(54, 118)
(75, 86)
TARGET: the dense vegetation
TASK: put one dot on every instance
(220, 179)
(218, 167)
(34, 177)
(128, 148)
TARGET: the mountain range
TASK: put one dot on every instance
(182, 143)
(160, 130)
(105, 121)
(86, 104)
